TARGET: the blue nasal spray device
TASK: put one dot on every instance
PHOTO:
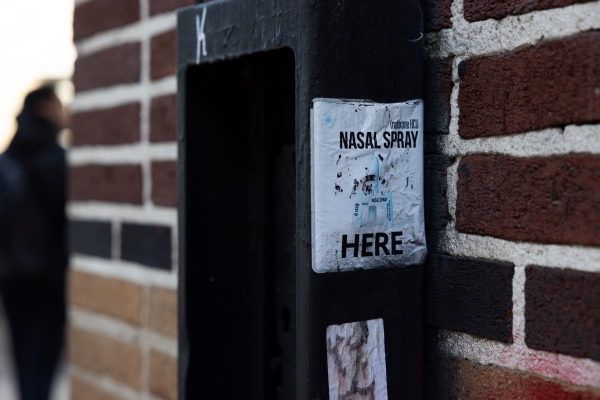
(371, 207)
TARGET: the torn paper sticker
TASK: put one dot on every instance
(356, 361)
(367, 185)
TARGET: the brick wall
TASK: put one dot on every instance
(122, 208)
(513, 199)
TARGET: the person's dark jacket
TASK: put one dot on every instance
(32, 225)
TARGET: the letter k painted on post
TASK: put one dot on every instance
(201, 37)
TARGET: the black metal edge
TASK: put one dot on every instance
(249, 29)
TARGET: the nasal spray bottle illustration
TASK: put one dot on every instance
(370, 206)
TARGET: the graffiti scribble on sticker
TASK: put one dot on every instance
(356, 361)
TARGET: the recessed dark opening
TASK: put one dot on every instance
(240, 227)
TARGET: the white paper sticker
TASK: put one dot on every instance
(367, 185)
(356, 361)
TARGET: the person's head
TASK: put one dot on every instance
(44, 103)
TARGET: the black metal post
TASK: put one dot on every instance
(341, 49)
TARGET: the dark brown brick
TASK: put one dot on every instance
(163, 375)
(468, 295)
(562, 311)
(105, 355)
(550, 84)
(436, 14)
(147, 244)
(81, 390)
(108, 67)
(163, 119)
(162, 55)
(116, 125)
(92, 238)
(438, 89)
(161, 6)
(164, 183)
(114, 183)
(98, 15)
(114, 297)
(478, 10)
(464, 379)
(538, 199)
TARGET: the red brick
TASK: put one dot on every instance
(161, 6)
(116, 125)
(562, 311)
(114, 183)
(109, 296)
(478, 10)
(98, 15)
(436, 14)
(163, 119)
(105, 355)
(162, 55)
(163, 375)
(164, 183)
(550, 84)
(467, 380)
(537, 199)
(108, 67)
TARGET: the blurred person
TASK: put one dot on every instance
(33, 253)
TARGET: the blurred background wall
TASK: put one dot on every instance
(122, 201)
(35, 44)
